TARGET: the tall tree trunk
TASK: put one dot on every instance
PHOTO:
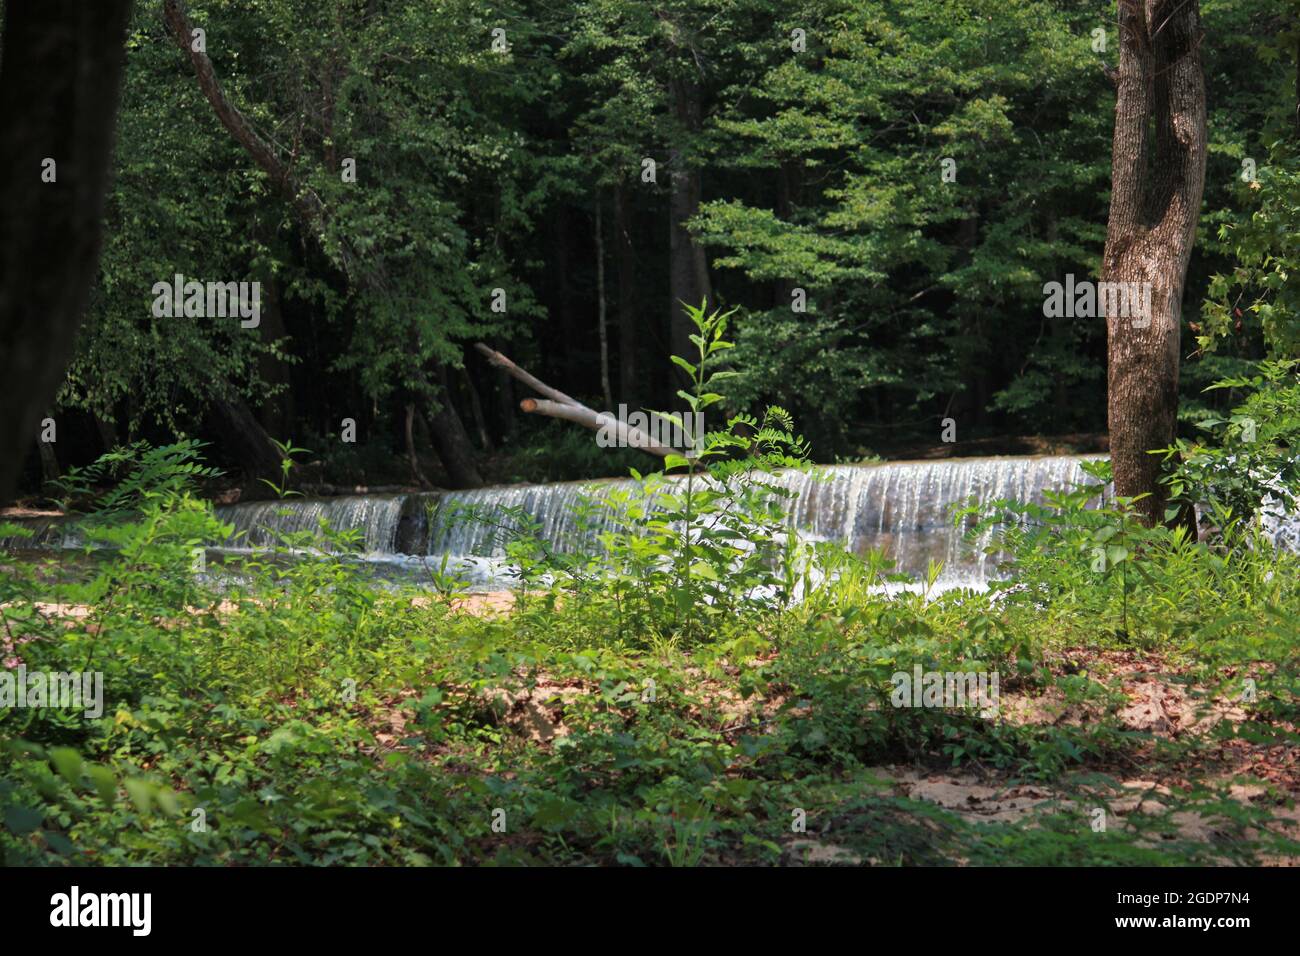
(687, 264)
(107, 431)
(417, 474)
(562, 359)
(783, 289)
(505, 410)
(277, 413)
(59, 81)
(1158, 177)
(239, 431)
(476, 409)
(452, 442)
(49, 461)
(629, 332)
(601, 310)
(310, 209)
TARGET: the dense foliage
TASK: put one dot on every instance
(865, 198)
(912, 173)
(706, 688)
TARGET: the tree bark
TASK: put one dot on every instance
(476, 409)
(498, 360)
(687, 264)
(452, 443)
(311, 210)
(59, 81)
(1158, 177)
(559, 405)
(417, 474)
(627, 436)
(561, 361)
(49, 461)
(107, 431)
(277, 413)
(601, 310)
(629, 332)
(504, 394)
(239, 430)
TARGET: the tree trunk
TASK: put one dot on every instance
(505, 404)
(783, 289)
(476, 409)
(1158, 176)
(49, 461)
(601, 311)
(562, 360)
(417, 474)
(311, 210)
(452, 442)
(277, 413)
(59, 81)
(687, 264)
(241, 432)
(625, 435)
(107, 432)
(629, 332)
(559, 405)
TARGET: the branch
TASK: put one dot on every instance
(558, 405)
(311, 209)
(597, 421)
(498, 360)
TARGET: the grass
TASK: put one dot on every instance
(305, 716)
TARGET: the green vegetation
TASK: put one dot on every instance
(692, 695)
(867, 199)
(813, 164)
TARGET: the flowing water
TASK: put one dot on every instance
(373, 517)
(899, 507)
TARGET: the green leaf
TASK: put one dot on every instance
(702, 570)
(22, 820)
(104, 783)
(68, 763)
(140, 791)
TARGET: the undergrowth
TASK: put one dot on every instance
(708, 688)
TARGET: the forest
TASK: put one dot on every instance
(650, 433)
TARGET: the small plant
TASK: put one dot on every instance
(287, 464)
(1249, 466)
(132, 476)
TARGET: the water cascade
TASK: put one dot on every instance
(900, 507)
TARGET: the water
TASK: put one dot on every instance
(899, 507)
(374, 517)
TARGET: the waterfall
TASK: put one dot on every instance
(376, 517)
(554, 507)
(45, 533)
(900, 507)
(903, 508)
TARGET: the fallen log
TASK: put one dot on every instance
(625, 435)
(556, 404)
(495, 358)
